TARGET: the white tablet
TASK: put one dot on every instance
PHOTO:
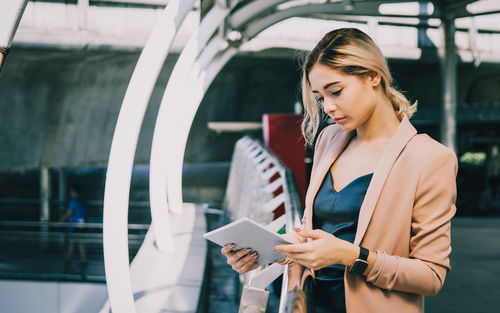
(246, 233)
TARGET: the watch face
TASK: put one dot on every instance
(359, 267)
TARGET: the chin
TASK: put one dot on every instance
(347, 126)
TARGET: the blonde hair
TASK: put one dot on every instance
(352, 52)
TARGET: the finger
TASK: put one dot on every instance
(290, 248)
(249, 267)
(313, 234)
(227, 249)
(292, 237)
(236, 256)
(284, 261)
(246, 262)
(252, 264)
(302, 260)
(241, 253)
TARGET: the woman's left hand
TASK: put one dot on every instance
(323, 250)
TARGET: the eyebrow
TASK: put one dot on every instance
(326, 86)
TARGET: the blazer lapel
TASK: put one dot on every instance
(333, 148)
(402, 136)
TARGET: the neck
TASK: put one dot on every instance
(381, 125)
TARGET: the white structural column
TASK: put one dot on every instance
(45, 195)
(11, 12)
(173, 123)
(448, 59)
(119, 173)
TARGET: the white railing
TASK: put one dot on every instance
(255, 179)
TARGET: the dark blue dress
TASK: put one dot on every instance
(336, 213)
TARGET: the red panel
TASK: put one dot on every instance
(283, 136)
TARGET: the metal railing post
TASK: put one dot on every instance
(45, 194)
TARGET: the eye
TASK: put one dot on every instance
(337, 93)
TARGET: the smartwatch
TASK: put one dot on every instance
(361, 263)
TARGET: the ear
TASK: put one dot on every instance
(373, 78)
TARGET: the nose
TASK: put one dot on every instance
(329, 106)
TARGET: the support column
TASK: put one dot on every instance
(448, 59)
(44, 205)
(83, 9)
(63, 191)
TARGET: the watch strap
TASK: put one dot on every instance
(361, 263)
(363, 253)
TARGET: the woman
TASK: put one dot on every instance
(380, 198)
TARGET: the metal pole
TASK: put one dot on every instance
(44, 205)
(448, 59)
(62, 191)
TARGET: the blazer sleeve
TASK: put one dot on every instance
(424, 271)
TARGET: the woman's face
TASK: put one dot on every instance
(349, 100)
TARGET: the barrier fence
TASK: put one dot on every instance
(261, 188)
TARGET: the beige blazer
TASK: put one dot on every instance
(405, 217)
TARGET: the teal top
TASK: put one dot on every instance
(337, 212)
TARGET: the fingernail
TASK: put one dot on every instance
(247, 250)
(231, 245)
(255, 254)
(274, 248)
(296, 229)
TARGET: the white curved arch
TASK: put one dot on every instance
(166, 161)
(180, 115)
(121, 158)
(251, 11)
(256, 27)
(167, 155)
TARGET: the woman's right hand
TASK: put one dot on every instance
(243, 260)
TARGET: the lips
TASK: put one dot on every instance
(339, 119)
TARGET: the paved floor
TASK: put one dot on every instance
(473, 285)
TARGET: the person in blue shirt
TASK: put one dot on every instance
(76, 213)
